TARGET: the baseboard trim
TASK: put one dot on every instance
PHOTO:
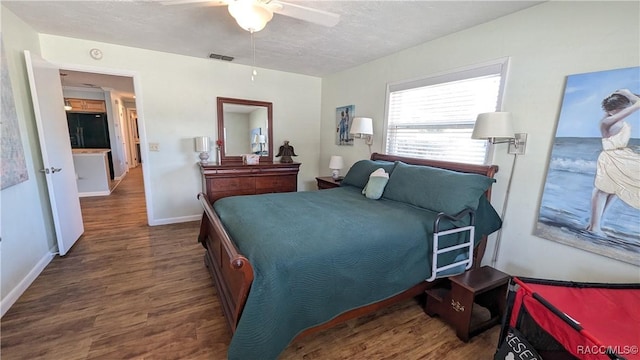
(94, 193)
(22, 286)
(175, 220)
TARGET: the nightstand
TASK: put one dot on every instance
(454, 301)
(327, 182)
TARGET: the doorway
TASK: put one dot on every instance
(124, 117)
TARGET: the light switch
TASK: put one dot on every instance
(154, 147)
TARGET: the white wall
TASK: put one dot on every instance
(177, 102)
(546, 43)
(26, 223)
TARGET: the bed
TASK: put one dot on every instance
(289, 264)
(563, 320)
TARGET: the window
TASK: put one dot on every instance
(433, 118)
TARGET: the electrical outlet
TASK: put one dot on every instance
(154, 147)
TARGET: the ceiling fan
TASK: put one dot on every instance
(253, 15)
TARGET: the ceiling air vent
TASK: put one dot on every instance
(221, 57)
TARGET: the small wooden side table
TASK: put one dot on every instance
(327, 182)
(454, 301)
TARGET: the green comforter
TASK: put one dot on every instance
(318, 254)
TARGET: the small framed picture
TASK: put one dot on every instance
(344, 117)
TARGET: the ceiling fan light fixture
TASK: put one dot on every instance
(250, 15)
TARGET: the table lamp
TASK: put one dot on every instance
(335, 164)
(202, 146)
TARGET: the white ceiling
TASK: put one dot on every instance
(367, 30)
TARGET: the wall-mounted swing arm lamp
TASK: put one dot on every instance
(362, 128)
(497, 128)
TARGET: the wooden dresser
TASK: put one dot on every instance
(220, 181)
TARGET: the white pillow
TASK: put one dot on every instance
(376, 184)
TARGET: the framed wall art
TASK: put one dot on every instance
(591, 197)
(344, 117)
(14, 167)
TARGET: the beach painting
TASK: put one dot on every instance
(592, 190)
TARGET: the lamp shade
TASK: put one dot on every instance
(202, 143)
(362, 125)
(493, 125)
(336, 162)
(250, 15)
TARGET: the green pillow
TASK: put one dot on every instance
(436, 189)
(375, 186)
(358, 174)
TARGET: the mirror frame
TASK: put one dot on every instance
(224, 159)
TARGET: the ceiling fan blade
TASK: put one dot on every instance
(315, 16)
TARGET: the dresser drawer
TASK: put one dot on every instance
(221, 181)
(276, 183)
(232, 184)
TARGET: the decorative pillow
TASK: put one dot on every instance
(436, 189)
(358, 174)
(375, 186)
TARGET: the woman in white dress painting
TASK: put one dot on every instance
(618, 167)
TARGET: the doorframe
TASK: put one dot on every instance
(142, 131)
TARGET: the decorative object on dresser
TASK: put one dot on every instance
(336, 164)
(218, 149)
(286, 152)
(220, 181)
(250, 159)
(327, 182)
(202, 146)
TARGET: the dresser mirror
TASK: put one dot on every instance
(245, 127)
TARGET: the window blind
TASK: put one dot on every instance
(433, 118)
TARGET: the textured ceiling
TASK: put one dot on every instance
(367, 29)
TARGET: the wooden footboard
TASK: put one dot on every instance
(231, 272)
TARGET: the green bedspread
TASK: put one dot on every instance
(318, 254)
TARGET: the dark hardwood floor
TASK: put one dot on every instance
(130, 291)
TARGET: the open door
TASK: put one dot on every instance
(53, 133)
